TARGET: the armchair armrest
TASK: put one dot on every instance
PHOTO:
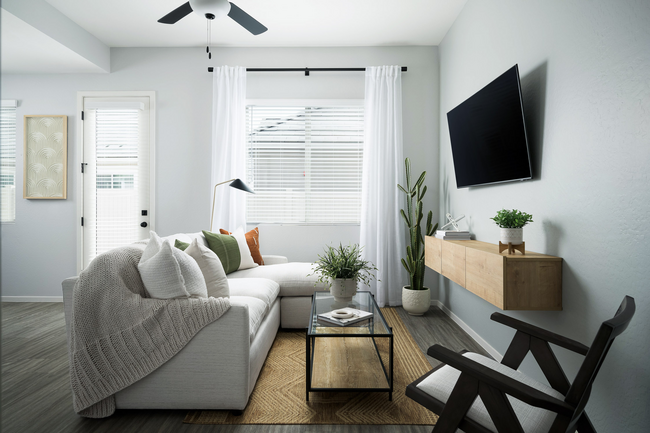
(540, 333)
(500, 381)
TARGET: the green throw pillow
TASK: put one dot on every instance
(226, 248)
(181, 245)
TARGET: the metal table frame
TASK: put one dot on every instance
(311, 341)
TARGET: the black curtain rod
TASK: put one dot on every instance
(305, 70)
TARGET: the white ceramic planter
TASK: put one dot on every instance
(513, 236)
(343, 289)
(416, 302)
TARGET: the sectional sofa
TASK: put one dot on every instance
(219, 367)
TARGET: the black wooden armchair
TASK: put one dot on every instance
(509, 400)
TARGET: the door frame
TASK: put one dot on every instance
(79, 154)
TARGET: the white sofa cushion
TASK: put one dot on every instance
(256, 312)
(186, 237)
(168, 272)
(440, 384)
(292, 277)
(261, 288)
(211, 267)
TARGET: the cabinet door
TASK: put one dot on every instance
(533, 284)
(484, 276)
(453, 262)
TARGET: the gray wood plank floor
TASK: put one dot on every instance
(36, 394)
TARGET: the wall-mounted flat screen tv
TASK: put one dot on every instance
(488, 134)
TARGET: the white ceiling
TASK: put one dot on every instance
(27, 50)
(291, 23)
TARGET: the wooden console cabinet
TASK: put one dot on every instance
(511, 282)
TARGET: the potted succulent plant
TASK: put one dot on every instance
(342, 269)
(512, 224)
(416, 298)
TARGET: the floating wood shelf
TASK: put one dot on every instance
(511, 282)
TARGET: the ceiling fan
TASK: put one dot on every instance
(212, 9)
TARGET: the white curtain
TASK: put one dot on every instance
(382, 230)
(228, 146)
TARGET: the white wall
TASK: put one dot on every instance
(39, 250)
(585, 73)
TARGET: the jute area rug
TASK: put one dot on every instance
(279, 395)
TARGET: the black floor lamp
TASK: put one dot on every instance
(236, 183)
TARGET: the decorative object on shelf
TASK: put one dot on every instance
(512, 224)
(237, 184)
(341, 269)
(452, 222)
(415, 303)
(45, 157)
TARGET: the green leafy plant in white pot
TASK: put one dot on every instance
(341, 269)
(512, 224)
(416, 298)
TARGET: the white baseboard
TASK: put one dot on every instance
(484, 344)
(32, 299)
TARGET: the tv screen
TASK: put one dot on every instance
(488, 135)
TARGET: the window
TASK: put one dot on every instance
(304, 163)
(8, 161)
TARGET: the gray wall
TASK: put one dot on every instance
(585, 73)
(39, 250)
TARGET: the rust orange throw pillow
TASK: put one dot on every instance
(253, 241)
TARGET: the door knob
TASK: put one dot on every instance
(143, 224)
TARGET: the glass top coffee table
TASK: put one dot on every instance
(356, 357)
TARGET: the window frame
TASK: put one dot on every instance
(304, 102)
(12, 103)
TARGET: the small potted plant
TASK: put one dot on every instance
(342, 269)
(416, 298)
(512, 224)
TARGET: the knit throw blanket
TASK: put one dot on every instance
(118, 335)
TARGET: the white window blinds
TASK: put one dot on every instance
(117, 139)
(8, 161)
(304, 163)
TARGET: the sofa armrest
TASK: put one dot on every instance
(274, 260)
(211, 372)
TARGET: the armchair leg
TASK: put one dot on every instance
(584, 424)
(500, 410)
(460, 400)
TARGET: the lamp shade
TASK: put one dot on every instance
(237, 183)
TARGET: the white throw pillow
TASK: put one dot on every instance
(168, 272)
(212, 269)
(245, 253)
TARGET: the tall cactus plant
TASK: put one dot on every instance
(414, 262)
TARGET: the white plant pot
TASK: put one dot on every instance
(343, 289)
(416, 302)
(513, 236)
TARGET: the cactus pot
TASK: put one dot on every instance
(416, 302)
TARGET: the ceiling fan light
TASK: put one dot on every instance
(218, 8)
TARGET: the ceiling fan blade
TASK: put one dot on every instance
(178, 13)
(245, 20)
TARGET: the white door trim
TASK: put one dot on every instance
(80, 158)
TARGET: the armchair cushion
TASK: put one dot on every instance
(440, 384)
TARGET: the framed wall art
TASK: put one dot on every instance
(46, 157)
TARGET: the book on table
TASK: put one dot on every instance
(357, 316)
(457, 235)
